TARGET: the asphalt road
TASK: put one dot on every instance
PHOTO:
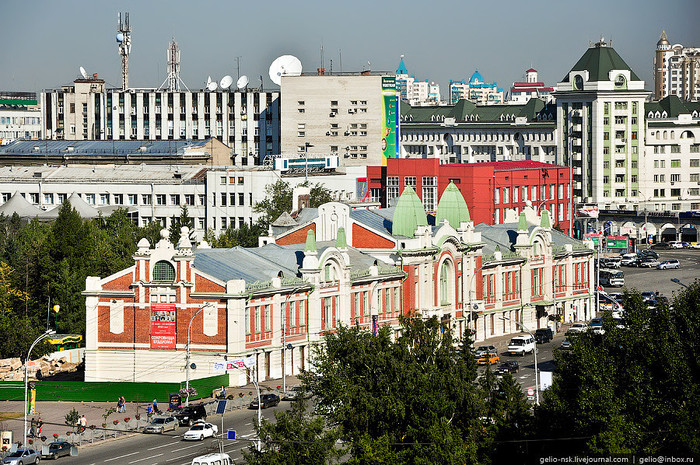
(169, 448)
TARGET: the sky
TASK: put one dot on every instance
(44, 42)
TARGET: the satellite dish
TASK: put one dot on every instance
(242, 82)
(226, 82)
(286, 65)
(83, 73)
(208, 81)
(212, 86)
(120, 37)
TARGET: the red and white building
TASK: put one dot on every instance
(521, 92)
(340, 265)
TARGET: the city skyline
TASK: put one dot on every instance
(47, 42)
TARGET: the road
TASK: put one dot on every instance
(169, 448)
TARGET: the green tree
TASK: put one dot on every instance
(278, 199)
(633, 389)
(178, 222)
(411, 401)
(245, 236)
(296, 437)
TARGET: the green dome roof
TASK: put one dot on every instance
(452, 207)
(409, 214)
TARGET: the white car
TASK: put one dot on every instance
(521, 345)
(578, 328)
(199, 431)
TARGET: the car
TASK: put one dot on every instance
(510, 366)
(22, 457)
(159, 425)
(481, 350)
(200, 430)
(648, 253)
(543, 335)
(266, 400)
(190, 414)
(294, 392)
(648, 262)
(611, 262)
(489, 358)
(648, 295)
(687, 245)
(521, 345)
(695, 245)
(216, 458)
(596, 326)
(668, 264)
(629, 259)
(56, 449)
(578, 328)
(675, 245)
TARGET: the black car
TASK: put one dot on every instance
(648, 253)
(190, 414)
(543, 335)
(510, 366)
(57, 449)
(266, 400)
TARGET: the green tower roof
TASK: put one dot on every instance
(310, 241)
(408, 214)
(340, 241)
(452, 207)
(599, 60)
(522, 222)
(544, 220)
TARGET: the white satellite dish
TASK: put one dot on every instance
(286, 65)
(83, 73)
(212, 86)
(226, 82)
(242, 82)
(208, 81)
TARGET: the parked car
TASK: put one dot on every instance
(294, 392)
(565, 344)
(520, 345)
(510, 366)
(675, 245)
(543, 335)
(160, 425)
(648, 253)
(648, 262)
(648, 295)
(489, 358)
(199, 431)
(610, 262)
(266, 400)
(596, 326)
(191, 414)
(216, 458)
(22, 457)
(481, 350)
(57, 449)
(578, 328)
(628, 259)
(668, 264)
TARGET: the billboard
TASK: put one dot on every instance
(163, 326)
(616, 242)
(588, 211)
(390, 119)
(595, 237)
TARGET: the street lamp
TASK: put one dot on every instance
(44, 335)
(187, 354)
(306, 160)
(537, 382)
(678, 281)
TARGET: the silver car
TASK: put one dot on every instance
(160, 425)
(22, 457)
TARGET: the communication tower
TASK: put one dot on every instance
(124, 44)
(172, 82)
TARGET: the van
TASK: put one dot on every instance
(609, 277)
(213, 459)
(521, 345)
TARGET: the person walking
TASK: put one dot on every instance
(32, 428)
(155, 406)
(39, 424)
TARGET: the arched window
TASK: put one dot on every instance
(446, 281)
(163, 271)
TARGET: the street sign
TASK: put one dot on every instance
(530, 392)
(231, 434)
(221, 407)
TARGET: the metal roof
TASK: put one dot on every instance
(101, 147)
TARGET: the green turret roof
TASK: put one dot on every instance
(544, 219)
(452, 207)
(408, 214)
(310, 241)
(522, 222)
(599, 60)
(340, 241)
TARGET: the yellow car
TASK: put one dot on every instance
(488, 358)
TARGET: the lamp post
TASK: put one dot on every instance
(306, 160)
(537, 382)
(187, 353)
(44, 335)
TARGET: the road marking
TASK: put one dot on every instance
(248, 424)
(146, 458)
(183, 448)
(247, 435)
(164, 445)
(121, 457)
(524, 376)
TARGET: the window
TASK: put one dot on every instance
(133, 199)
(146, 199)
(48, 199)
(694, 162)
(174, 199)
(189, 199)
(268, 319)
(675, 192)
(392, 189)
(675, 163)
(606, 165)
(410, 181)
(675, 177)
(675, 149)
(160, 199)
(118, 199)
(257, 319)
(505, 195)
(694, 177)
(163, 271)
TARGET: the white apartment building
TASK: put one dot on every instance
(521, 92)
(20, 117)
(247, 120)
(413, 91)
(349, 115)
(476, 90)
(676, 70)
(600, 118)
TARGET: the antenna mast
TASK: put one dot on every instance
(124, 44)
(173, 80)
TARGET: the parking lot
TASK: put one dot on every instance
(651, 279)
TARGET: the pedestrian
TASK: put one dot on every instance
(223, 392)
(155, 406)
(119, 404)
(39, 424)
(122, 404)
(32, 427)
(83, 423)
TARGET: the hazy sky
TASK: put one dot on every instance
(44, 42)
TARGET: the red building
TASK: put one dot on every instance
(488, 188)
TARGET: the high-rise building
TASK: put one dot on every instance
(676, 70)
(414, 91)
(20, 117)
(476, 90)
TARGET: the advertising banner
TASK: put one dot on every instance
(163, 326)
(390, 119)
(228, 365)
(616, 242)
(592, 237)
(588, 211)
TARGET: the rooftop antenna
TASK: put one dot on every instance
(285, 65)
(173, 56)
(323, 64)
(124, 45)
(226, 82)
(242, 82)
(340, 56)
(238, 67)
(83, 73)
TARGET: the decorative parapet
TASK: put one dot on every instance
(258, 286)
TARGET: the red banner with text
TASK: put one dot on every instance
(163, 326)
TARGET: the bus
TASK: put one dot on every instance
(609, 277)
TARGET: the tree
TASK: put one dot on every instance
(633, 389)
(296, 437)
(412, 401)
(184, 220)
(278, 199)
(245, 236)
